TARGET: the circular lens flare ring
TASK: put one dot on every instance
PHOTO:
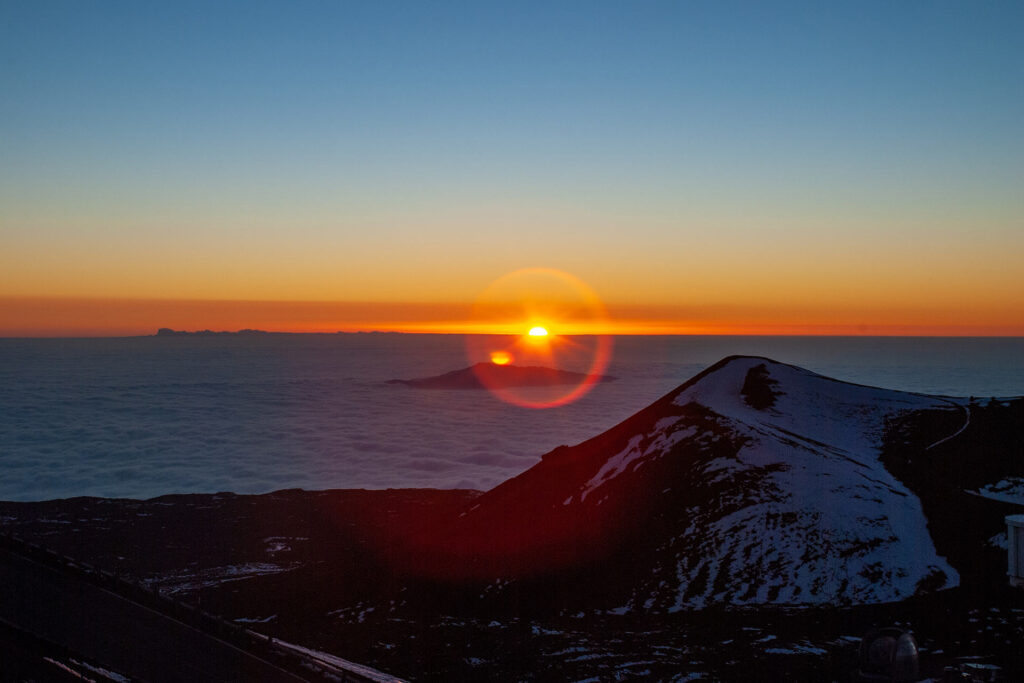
(539, 300)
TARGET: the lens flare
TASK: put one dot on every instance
(501, 357)
(539, 300)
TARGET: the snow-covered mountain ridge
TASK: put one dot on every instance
(754, 483)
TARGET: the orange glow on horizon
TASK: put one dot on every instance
(537, 295)
(98, 317)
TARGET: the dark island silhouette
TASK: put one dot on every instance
(499, 376)
(168, 332)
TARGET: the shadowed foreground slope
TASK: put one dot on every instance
(754, 484)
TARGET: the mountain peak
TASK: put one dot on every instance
(755, 482)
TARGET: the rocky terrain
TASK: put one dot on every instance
(751, 524)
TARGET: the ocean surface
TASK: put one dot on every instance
(145, 416)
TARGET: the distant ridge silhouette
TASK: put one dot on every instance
(501, 376)
(168, 332)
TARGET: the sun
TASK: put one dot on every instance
(540, 320)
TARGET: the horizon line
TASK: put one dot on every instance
(246, 332)
(88, 317)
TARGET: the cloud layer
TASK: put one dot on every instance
(148, 416)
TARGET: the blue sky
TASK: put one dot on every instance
(543, 131)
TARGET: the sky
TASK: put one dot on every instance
(704, 167)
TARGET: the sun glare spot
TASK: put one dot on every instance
(542, 321)
(501, 357)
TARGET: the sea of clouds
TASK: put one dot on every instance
(146, 416)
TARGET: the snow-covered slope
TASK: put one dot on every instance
(829, 522)
(754, 483)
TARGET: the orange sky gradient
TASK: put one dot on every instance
(718, 169)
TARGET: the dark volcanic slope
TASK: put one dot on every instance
(754, 483)
(179, 543)
(968, 484)
(483, 375)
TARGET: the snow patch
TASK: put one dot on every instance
(186, 580)
(797, 649)
(1000, 540)
(1009, 490)
(335, 664)
(661, 439)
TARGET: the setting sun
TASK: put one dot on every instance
(546, 320)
